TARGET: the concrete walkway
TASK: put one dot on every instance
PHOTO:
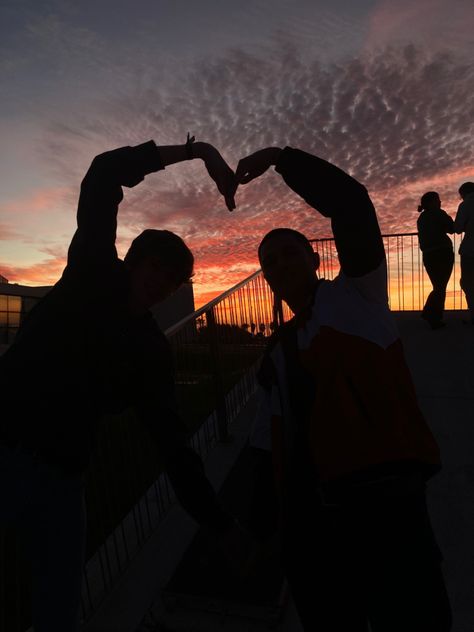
(442, 365)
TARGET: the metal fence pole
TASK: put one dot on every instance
(214, 350)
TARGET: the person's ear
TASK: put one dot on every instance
(316, 260)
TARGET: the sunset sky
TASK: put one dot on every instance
(382, 88)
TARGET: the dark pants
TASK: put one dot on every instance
(47, 509)
(438, 265)
(467, 282)
(364, 563)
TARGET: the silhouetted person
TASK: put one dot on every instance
(438, 256)
(92, 347)
(350, 448)
(464, 223)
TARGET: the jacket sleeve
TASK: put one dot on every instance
(93, 243)
(448, 223)
(340, 197)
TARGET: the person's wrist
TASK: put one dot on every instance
(274, 154)
(200, 150)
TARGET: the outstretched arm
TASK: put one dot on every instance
(448, 223)
(101, 192)
(334, 194)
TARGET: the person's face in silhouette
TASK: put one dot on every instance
(464, 193)
(151, 282)
(433, 203)
(289, 267)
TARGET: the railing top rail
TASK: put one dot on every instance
(319, 239)
(202, 310)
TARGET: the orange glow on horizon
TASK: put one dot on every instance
(408, 283)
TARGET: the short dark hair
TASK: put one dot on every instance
(167, 247)
(286, 231)
(465, 188)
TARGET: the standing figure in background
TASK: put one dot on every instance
(464, 223)
(438, 256)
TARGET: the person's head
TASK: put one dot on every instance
(465, 189)
(430, 201)
(289, 265)
(159, 262)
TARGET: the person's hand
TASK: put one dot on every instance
(219, 171)
(255, 164)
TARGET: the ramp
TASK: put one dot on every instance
(204, 591)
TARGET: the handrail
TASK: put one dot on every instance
(211, 304)
(208, 306)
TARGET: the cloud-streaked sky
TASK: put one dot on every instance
(381, 88)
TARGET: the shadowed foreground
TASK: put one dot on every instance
(442, 364)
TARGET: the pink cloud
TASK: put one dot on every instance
(400, 120)
(37, 201)
(8, 232)
(433, 24)
(46, 272)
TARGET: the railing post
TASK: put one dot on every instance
(214, 349)
(278, 317)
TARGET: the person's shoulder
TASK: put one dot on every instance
(421, 219)
(463, 205)
(468, 202)
(345, 291)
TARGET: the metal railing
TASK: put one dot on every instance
(216, 351)
(408, 282)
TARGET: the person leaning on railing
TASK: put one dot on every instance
(350, 447)
(92, 347)
(433, 224)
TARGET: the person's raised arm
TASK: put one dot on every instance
(334, 194)
(101, 191)
(216, 166)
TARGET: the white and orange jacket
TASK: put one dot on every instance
(335, 387)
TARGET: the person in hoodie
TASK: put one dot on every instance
(91, 347)
(339, 422)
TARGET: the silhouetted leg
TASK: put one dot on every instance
(467, 282)
(325, 574)
(407, 587)
(54, 531)
(439, 265)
